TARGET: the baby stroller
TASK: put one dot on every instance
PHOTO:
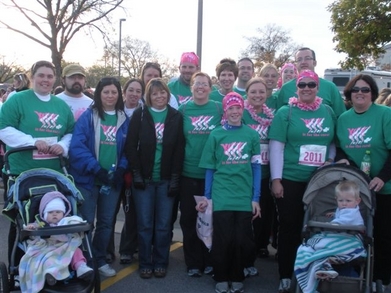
(319, 199)
(24, 194)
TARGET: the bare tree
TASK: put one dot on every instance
(8, 69)
(135, 54)
(273, 45)
(57, 21)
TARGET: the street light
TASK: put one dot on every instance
(119, 48)
(199, 30)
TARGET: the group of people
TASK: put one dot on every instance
(250, 145)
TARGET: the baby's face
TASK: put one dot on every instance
(347, 200)
(54, 217)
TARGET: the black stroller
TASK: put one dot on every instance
(319, 199)
(24, 194)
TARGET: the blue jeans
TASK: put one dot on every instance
(105, 209)
(154, 213)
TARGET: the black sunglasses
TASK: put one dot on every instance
(364, 89)
(311, 85)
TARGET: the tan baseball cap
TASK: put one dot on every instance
(73, 69)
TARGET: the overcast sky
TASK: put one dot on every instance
(170, 27)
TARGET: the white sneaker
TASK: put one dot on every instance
(107, 271)
(84, 271)
(285, 286)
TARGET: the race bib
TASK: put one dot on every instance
(312, 155)
(264, 154)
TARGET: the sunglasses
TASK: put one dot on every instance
(364, 89)
(311, 85)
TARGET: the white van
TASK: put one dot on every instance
(340, 77)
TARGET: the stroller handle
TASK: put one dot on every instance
(23, 149)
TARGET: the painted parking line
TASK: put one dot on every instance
(129, 270)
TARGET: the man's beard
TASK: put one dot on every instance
(75, 89)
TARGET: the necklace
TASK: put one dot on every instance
(305, 107)
(254, 115)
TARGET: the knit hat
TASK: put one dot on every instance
(190, 57)
(56, 204)
(232, 99)
(73, 69)
(308, 73)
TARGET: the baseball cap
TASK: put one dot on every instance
(73, 69)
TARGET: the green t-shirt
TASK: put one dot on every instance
(241, 92)
(262, 131)
(328, 91)
(306, 135)
(158, 118)
(216, 96)
(198, 122)
(49, 121)
(271, 102)
(108, 141)
(229, 152)
(181, 91)
(371, 130)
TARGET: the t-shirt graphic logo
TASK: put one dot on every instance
(261, 129)
(109, 132)
(159, 129)
(357, 135)
(184, 99)
(48, 120)
(315, 125)
(234, 151)
(202, 122)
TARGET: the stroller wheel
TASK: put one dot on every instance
(4, 283)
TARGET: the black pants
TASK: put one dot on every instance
(196, 254)
(382, 238)
(290, 214)
(263, 226)
(232, 238)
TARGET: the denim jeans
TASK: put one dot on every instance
(105, 208)
(154, 213)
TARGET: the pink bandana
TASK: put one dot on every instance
(308, 73)
(232, 99)
(190, 57)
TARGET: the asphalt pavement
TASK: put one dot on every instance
(127, 278)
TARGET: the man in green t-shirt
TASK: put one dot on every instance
(180, 87)
(328, 91)
(245, 73)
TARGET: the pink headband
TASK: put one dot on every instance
(286, 65)
(309, 74)
(190, 57)
(232, 99)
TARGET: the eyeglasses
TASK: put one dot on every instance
(304, 59)
(364, 89)
(201, 84)
(311, 85)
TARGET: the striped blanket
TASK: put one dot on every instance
(327, 247)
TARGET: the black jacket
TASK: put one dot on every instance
(140, 144)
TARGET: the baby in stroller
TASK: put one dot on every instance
(48, 258)
(314, 258)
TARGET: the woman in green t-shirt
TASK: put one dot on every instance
(200, 116)
(366, 126)
(301, 140)
(259, 116)
(155, 149)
